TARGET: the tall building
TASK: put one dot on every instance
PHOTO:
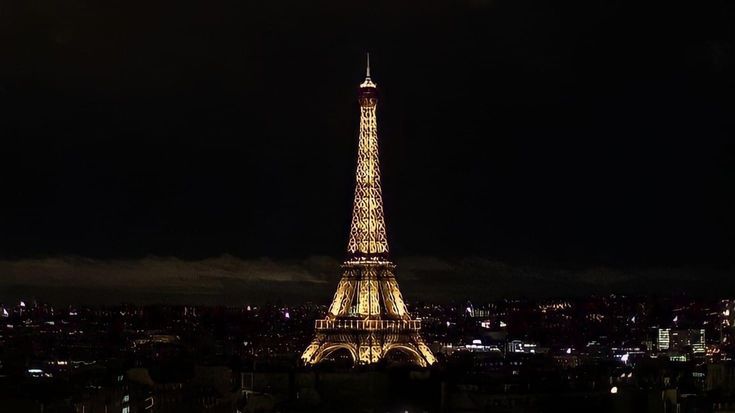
(368, 316)
(682, 340)
(663, 340)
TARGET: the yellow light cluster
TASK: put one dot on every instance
(367, 230)
(368, 316)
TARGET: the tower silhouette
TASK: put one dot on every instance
(368, 316)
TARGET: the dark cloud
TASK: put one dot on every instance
(233, 281)
(160, 278)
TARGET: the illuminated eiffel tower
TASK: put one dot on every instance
(368, 317)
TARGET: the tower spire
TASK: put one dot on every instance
(368, 237)
(368, 83)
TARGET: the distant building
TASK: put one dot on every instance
(518, 346)
(663, 340)
(681, 341)
(567, 360)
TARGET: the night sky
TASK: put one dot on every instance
(527, 135)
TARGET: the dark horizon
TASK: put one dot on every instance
(231, 281)
(559, 138)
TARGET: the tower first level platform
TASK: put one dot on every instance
(368, 318)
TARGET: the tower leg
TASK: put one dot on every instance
(322, 346)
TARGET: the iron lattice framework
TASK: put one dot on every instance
(368, 316)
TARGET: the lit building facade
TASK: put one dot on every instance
(682, 341)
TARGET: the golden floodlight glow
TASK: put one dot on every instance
(367, 231)
(368, 317)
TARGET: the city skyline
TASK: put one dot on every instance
(195, 215)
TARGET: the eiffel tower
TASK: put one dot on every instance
(368, 316)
